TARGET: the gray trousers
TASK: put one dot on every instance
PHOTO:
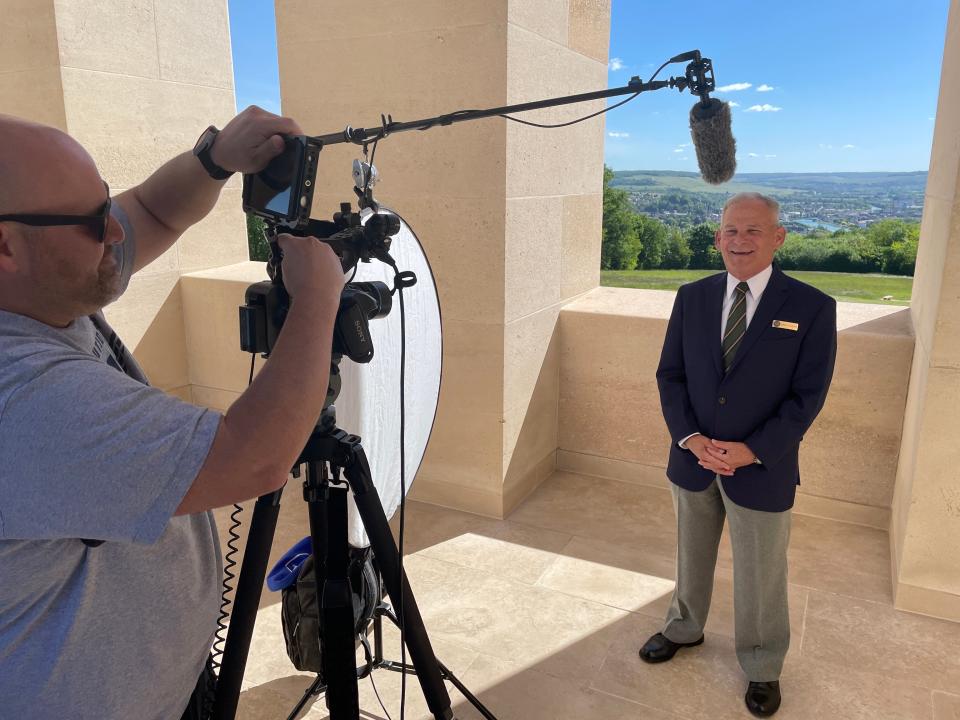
(759, 541)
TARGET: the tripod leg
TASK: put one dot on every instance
(388, 559)
(328, 529)
(245, 603)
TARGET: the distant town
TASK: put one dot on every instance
(808, 201)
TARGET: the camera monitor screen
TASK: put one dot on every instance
(274, 190)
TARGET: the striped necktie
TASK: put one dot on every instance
(736, 326)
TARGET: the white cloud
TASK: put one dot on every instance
(824, 146)
(734, 87)
(769, 156)
(678, 149)
(615, 64)
(763, 108)
(753, 154)
(765, 88)
(848, 146)
(619, 134)
(733, 103)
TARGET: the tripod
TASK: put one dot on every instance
(326, 497)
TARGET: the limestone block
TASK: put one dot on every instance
(580, 251)
(931, 259)
(609, 403)
(934, 514)
(533, 248)
(590, 28)
(850, 452)
(560, 161)
(472, 377)
(193, 42)
(530, 435)
(462, 239)
(29, 38)
(465, 451)
(219, 239)
(156, 120)
(945, 349)
(945, 153)
(147, 317)
(211, 301)
(418, 74)
(35, 95)
(109, 36)
(301, 21)
(214, 398)
(547, 18)
(531, 355)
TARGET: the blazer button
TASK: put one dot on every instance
(722, 400)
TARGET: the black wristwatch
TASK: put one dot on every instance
(202, 151)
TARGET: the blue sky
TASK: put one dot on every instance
(853, 84)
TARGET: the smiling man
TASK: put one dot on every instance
(745, 368)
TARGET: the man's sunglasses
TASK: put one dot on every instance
(98, 223)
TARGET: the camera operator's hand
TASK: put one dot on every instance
(251, 140)
(311, 270)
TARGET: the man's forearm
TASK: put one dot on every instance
(179, 194)
(266, 428)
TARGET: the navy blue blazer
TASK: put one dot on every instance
(775, 387)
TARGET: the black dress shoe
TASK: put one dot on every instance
(660, 649)
(763, 698)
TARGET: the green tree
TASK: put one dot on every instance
(678, 253)
(620, 244)
(700, 241)
(653, 242)
(257, 245)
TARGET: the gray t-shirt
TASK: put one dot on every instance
(121, 630)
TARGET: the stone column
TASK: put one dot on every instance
(135, 83)
(925, 524)
(509, 215)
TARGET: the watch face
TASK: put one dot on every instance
(205, 140)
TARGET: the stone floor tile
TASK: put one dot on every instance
(512, 691)
(700, 682)
(565, 636)
(514, 551)
(815, 689)
(636, 515)
(840, 557)
(876, 638)
(612, 574)
(946, 706)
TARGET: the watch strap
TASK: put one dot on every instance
(202, 151)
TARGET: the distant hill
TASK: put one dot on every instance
(807, 200)
(777, 184)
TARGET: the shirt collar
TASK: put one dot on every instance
(757, 284)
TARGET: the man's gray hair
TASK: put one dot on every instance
(765, 199)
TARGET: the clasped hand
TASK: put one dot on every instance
(720, 456)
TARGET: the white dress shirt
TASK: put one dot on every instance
(755, 287)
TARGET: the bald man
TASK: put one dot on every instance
(109, 557)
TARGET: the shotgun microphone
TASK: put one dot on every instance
(713, 140)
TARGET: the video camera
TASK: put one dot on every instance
(282, 196)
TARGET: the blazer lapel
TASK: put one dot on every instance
(713, 316)
(772, 300)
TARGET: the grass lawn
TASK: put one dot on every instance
(848, 287)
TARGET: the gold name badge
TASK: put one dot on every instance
(786, 325)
